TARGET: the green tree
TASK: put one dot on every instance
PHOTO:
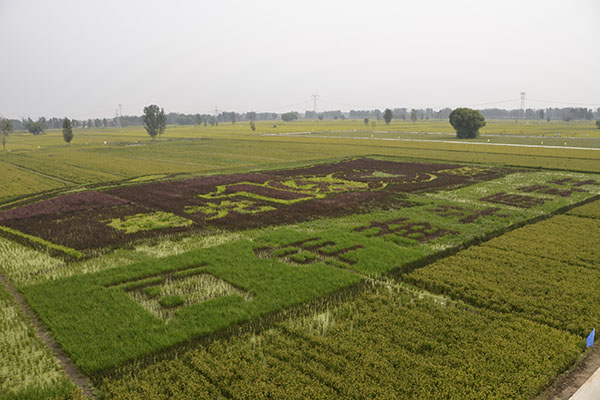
(366, 121)
(320, 117)
(387, 116)
(253, 126)
(5, 128)
(155, 120)
(233, 118)
(466, 122)
(35, 128)
(413, 115)
(598, 124)
(67, 130)
(289, 116)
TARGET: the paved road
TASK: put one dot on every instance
(590, 390)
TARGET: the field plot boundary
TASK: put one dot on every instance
(77, 377)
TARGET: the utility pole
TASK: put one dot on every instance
(217, 116)
(315, 96)
(523, 101)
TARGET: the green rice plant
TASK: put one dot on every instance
(101, 326)
(303, 257)
(223, 208)
(171, 301)
(147, 178)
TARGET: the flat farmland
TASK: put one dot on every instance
(44, 162)
(219, 264)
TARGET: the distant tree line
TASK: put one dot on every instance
(563, 114)
(400, 114)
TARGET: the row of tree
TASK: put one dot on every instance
(404, 114)
(6, 128)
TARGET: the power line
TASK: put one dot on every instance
(288, 106)
(565, 102)
(492, 102)
(349, 105)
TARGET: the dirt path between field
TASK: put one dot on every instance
(71, 369)
(568, 383)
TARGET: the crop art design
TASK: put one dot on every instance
(541, 192)
(309, 251)
(163, 294)
(113, 217)
(466, 171)
(560, 187)
(466, 215)
(147, 222)
(514, 200)
(403, 227)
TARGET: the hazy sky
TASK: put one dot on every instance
(82, 58)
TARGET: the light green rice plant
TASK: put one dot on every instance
(147, 222)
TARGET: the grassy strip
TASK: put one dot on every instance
(362, 349)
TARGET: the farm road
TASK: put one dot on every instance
(303, 134)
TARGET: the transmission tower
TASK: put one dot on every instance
(315, 97)
(523, 101)
(118, 117)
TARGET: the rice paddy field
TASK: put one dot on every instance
(308, 260)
